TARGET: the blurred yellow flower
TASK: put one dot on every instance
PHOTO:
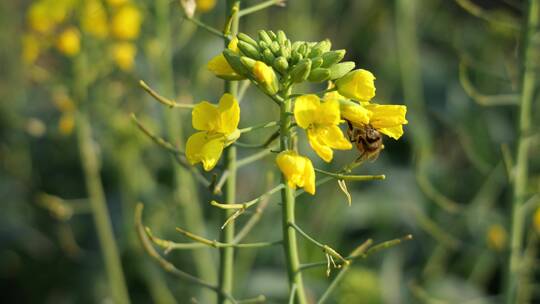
(321, 120)
(221, 68)
(358, 85)
(44, 15)
(124, 55)
(266, 77)
(126, 22)
(204, 6)
(219, 128)
(66, 123)
(94, 19)
(31, 47)
(298, 170)
(496, 237)
(69, 41)
(536, 220)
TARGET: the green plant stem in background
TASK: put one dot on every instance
(288, 198)
(522, 156)
(185, 193)
(94, 187)
(226, 257)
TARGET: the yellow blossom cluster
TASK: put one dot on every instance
(349, 99)
(49, 25)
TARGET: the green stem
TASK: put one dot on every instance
(226, 258)
(257, 7)
(521, 170)
(94, 187)
(185, 193)
(288, 219)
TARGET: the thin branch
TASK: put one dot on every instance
(292, 293)
(374, 249)
(257, 7)
(207, 28)
(266, 143)
(259, 126)
(163, 100)
(481, 13)
(361, 249)
(252, 158)
(246, 205)
(481, 99)
(326, 249)
(158, 140)
(357, 178)
(242, 90)
(217, 244)
(166, 265)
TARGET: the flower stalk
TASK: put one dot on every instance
(515, 269)
(288, 215)
(226, 265)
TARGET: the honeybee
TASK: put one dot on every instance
(367, 139)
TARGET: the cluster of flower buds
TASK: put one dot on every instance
(295, 62)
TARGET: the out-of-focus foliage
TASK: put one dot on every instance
(447, 181)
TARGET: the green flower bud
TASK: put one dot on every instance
(263, 36)
(302, 49)
(339, 70)
(272, 35)
(268, 56)
(285, 51)
(281, 64)
(248, 63)
(296, 45)
(263, 45)
(234, 61)
(301, 71)
(247, 39)
(249, 50)
(275, 48)
(319, 75)
(332, 57)
(324, 46)
(296, 57)
(316, 62)
(281, 37)
(315, 53)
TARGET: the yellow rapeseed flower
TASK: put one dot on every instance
(126, 22)
(221, 68)
(219, 128)
(321, 120)
(496, 237)
(69, 41)
(124, 55)
(94, 19)
(298, 170)
(358, 85)
(66, 124)
(266, 77)
(387, 119)
(204, 6)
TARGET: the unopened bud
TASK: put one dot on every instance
(301, 71)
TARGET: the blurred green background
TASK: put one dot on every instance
(447, 179)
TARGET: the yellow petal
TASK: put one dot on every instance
(233, 45)
(536, 220)
(229, 112)
(205, 117)
(305, 109)
(297, 170)
(222, 69)
(263, 73)
(204, 6)
(388, 119)
(316, 142)
(201, 147)
(358, 85)
(328, 113)
(335, 139)
(94, 19)
(355, 113)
